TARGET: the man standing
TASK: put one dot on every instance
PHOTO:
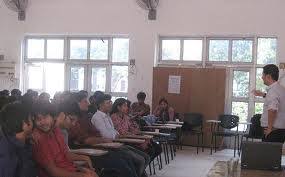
(273, 116)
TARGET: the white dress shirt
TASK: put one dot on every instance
(104, 125)
(274, 100)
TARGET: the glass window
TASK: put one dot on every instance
(98, 80)
(240, 109)
(266, 50)
(192, 50)
(54, 77)
(55, 48)
(258, 108)
(120, 50)
(99, 49)
(78, 49)
(242, 51)
(119, 81)
(35, 76)
(170, 50)
(218, 50)
(36, 48)
(241, 84)
(76, 78)
(259, 82)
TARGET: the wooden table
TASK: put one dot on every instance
(138, 136)
(154, 133)
(91, 152)
(129, 140)
(113, 145)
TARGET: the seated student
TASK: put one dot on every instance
(125, 126)
(49, 149)
(16, 158)
(163, 111)
(92, 108)
(103, 123)
(140, 108)
(84, 132)
(16, 93)
(44, 97)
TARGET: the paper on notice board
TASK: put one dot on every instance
(174, 84)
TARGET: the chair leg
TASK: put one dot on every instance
(235, 146)
(215, 143)
(171, 149)
(238, 146)
(198, 141)
(160, 161)
(153, 167)
(167, 154)
(202, 142)
(149, 166)
(212, 139)
(164, 152)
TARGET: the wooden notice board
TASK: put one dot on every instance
(202, 90)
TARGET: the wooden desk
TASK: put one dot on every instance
(154, 133)
(109, 145)
(130, 141)
(91, 152)
(138, 136)
(160, 127)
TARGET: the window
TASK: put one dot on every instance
(219, 50)
(57, 63)
(244, 66)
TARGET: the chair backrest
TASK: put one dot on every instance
(255, 129)
(228, 121)
(193, 119)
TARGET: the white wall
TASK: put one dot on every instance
(175, 17)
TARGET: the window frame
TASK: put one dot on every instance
(87, 63)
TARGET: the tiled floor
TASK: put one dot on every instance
(188, 163)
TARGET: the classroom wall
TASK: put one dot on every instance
(175, 17)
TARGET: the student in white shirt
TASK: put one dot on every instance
(273, 116)
(103, 123)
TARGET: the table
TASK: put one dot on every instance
(128, 140)
(91, 152)
(168, 125)
(138, 136)
(154, 133)
(160, 127)
(113, 145)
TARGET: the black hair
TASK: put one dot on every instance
(68, 108)
(129, 103)
(16, 93)
(12, 117)
(100, 99)
(141, 96)
(80, 96)
(118, 102)
(91, 99)
(98, 93)
(271, 70)
(163, 100)
(83, 92)
(44, 109)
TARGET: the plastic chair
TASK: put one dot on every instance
(193, 124)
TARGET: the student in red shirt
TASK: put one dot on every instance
(50, 151)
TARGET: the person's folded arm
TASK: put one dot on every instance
(76, 157)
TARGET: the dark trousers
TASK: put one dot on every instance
(114, 165)
(277, 136)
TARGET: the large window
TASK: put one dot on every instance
(77, 63)
(243, 57)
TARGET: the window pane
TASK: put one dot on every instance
(193, 50)
(241, 84)
(266, 50)
(55, 48)
(218, 50)
(240, 109)
(259, 82)
(54, 77)
(78, 49)
(36, 48)
(98, 81)
(170, 50)
(99, 49)
(242, 51)
(258, 108)
(119, 79)
(35, 76)
(76, 78)
(120, 50)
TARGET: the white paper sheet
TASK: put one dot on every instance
(174, 84)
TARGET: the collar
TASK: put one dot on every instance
(271, 86)
(101, 113)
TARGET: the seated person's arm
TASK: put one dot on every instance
(76, 157)
(171, 113)
(156, 111)
(55, 171)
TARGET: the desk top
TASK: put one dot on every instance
(155, 133)
(92, 152)
(138, 136)
(161, 127)
(128, 140)
(109, 145)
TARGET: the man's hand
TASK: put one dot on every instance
(267, 131)
(258, 93)
(89, 173)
